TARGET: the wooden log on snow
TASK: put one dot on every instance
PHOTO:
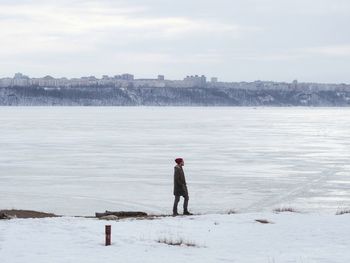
(122, 214)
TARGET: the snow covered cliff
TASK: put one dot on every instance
(246, 94)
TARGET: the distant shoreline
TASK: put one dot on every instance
(166, 96)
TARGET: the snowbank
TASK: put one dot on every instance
(292, 237)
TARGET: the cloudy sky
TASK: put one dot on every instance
(235, 40)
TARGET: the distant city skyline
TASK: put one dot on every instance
(130, 77)
(234, 40)
(124, 80)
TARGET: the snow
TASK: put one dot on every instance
(77, 161)
(293, 237)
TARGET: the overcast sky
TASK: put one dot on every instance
(235, 40)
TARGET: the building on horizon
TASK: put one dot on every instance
(196, 81)
(214, 80)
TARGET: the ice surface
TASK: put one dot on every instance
(76, 160)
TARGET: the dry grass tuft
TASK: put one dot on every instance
(343, 211)
(231, 212)
(285, 209)
(177, 242)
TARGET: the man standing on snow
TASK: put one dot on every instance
(180, 188)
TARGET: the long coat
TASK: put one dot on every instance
(180, 188)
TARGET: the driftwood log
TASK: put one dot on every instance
(122, 214)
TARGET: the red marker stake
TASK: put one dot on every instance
(108, 231)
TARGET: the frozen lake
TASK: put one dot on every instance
(76, 161)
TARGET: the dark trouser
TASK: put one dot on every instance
(176, 201)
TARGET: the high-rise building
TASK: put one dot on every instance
(127, 76)
(20, 80)
(196, 81)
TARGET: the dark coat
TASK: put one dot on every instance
(180, 188)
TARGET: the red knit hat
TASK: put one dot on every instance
(179, 160)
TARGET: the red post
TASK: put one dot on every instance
(108, 231)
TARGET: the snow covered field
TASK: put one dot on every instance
(293, 237)
(76, 161)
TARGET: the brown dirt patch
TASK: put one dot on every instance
(27, 214)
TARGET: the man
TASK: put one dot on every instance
(180, 188)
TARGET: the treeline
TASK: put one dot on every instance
(148, 96)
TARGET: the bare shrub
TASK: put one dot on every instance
(177, 242)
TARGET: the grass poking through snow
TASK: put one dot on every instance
(231, 212)
(343, 211)
(285, 209)
(177, 242)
